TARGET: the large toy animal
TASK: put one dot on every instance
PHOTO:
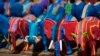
(88, 34)
(33, 25)
(17, 29)
(54, 16)
(33, 32)
(62, 32)
(41, 23)
(82, 32)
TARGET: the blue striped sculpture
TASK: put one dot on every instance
(77, 9)
(88, 10)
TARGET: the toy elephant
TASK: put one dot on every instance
(16, 28)
(53, 16)
(67, 24)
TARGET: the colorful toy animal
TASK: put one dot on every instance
(16, 28)
(33, 32)
(65, 25)
(53, 17)
(88, 34)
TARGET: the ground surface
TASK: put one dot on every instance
(7, 52)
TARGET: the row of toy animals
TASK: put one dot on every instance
(52, 26)
(48, 24)
(11, 13)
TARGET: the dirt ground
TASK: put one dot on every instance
(7, 52)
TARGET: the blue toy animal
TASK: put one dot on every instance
(53, 16)
(77, 9)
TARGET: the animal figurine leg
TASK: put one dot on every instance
(93, 48)
(0, 40)
(13, 42)
(57, 49)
